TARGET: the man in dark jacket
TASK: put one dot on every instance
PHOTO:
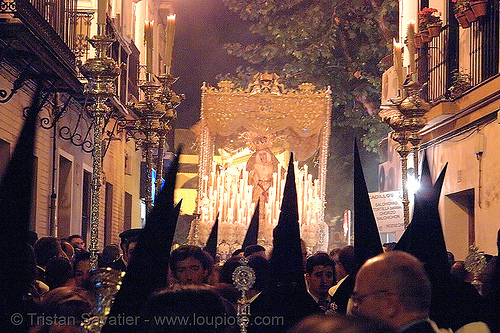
(394, 288)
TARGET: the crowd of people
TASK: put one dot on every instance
(389, 293)
(46, 284)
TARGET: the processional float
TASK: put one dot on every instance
(245, 140)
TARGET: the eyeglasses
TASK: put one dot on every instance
(358, 299)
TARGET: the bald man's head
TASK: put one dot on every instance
(392, 287)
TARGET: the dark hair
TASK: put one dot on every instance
(184, 303)
(319, 259)
(45, 249)
(58, 272)
(32, 237)
(110, 253)
(80, 255)
(185, 251)
(70, 238)
(127, 237)
(346, 258)
(389, 246)
(237, 252)
(451, 258)
(226, 271)
(334, 251)
(67, 302)
(458, 271)
(340, 324)
(260, 266)
(251, 249)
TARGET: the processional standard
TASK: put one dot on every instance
(245, 140)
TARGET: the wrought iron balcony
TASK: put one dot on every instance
(33, 38)
(48, 38)
(483, 53)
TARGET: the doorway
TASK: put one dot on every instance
(460, 219)
(64, 197)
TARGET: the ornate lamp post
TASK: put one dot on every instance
(155, 113)
(169, 100)
(407, 114)
(101, 72)
(406, 122)
(149, 112)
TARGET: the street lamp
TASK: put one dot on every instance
(101, 72)
(155, 113)
(406, 120)
(149, 112)
(169, 100)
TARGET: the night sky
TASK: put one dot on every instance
(201, 29)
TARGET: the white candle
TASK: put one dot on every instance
(245, 177)
(101, 11)
(410, 44)
(148, 39)
(169, 42)
(398, 63)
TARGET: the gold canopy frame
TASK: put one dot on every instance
(232, 120)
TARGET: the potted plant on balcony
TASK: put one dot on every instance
(464, 13)
(479, 7)
(461, 83)
(430, 19)
(419, 43)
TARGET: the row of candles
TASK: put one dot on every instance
(398, 55)
(169, 42)
(226, 193)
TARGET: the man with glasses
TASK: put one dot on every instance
(394, 288)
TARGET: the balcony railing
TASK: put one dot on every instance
(484, 46)
(46, 21)
(79, 33)
(483, 54)
(438, 66)
(57, 13)
(65, 31)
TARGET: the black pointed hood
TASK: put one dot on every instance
(177, 211)
(286, 295)
(286, 258)
(251, 237)
(15, 211)
(425, 190)
(211, 244)
(17, 181)
(366, 236)
(148, 268)
(424, 239)
(424, 236)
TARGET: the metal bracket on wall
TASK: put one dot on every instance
(25, 76)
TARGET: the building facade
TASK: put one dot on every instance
(461, 68)
(44, 42)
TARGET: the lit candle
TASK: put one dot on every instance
(101, 12)
(398, 63)
(410, 43)
(170, 33)
(148, 40)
